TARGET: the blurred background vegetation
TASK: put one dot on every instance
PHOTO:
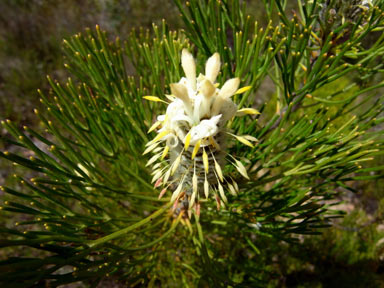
(350, 254)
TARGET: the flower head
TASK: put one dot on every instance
(193, 131)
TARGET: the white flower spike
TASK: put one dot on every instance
(194, 136)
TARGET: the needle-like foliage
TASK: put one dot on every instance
(90, 213)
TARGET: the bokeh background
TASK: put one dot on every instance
(31, 35)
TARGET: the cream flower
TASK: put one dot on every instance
(193, 130)
(198, 101)
(205, 129)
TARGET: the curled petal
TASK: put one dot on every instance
(206, 128)
(229, 88)
(197, 109)
(207, 88)
(181, 92)
(172, 141)
(181, 117)
(228, 110)
(212, 67)
(219, 101)
(189, 67)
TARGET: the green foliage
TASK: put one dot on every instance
(89, 205)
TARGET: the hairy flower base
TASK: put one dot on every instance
(202, 174)
(193, 131)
